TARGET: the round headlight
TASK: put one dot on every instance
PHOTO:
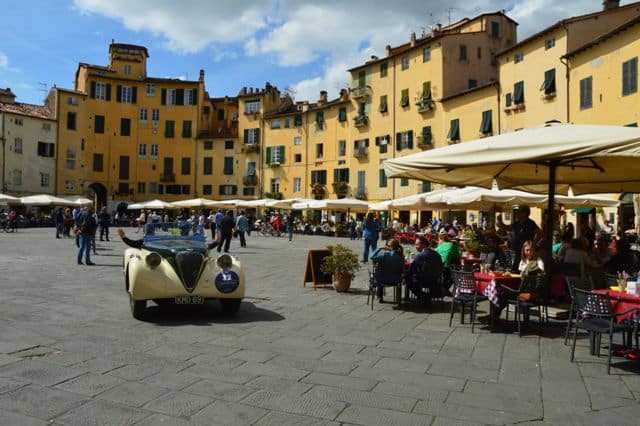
(153, 259)
(224, 262)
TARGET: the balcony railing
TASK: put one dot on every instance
(251, 147)
(250, 180)
(341, 188)
(361, 193)
(425, 104)
(360, 152)
(361, 120)
(425, 142)
(220, 132)
(167, 177)
(360, 92)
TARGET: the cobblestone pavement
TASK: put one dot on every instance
(71, 354)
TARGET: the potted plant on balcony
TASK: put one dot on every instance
(342, 263)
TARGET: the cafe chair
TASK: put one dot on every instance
(510, 257)
(573, 283)
(528, 296)
(596, 316)
(465, 293)
(386, 275)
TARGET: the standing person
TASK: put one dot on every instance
(250, 222)
(352, 229)
(226, 231)
(142, 219)
(68, 223)
(370, 234)
(59, 222)
(95, 230)
(291, 221)
(242, 225)
(524, 229)
(104, 219)
(212, 224)
(78, 216)
(86, 230)
(218, 220)
(201, 220)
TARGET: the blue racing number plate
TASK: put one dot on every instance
(189, 300)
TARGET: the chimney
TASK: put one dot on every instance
(305, 106)
(344, 94)
(201, 77)
(610, 4)
(323, 97)
(413, 39)
(388, 49)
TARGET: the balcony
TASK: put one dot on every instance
(167, 177)
(361, 193)
(251, 147)
(425, 142)
(250, 180)
(360, 92)
(360, 152)
(318, 190)
(361, 120)
(341, 188)
(220, 132)
(425, 105)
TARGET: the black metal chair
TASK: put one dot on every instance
(572, 283)
(375, 283)
(465, 292)
(596, 316)
(528, 296)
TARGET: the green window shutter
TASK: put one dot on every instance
(518, 93)
(169, 129)
(194, 96)
(281, 154)
(549, 85)
(93, 90)
(228, 165)
(426, 90)
(383, 103)
(234, 189)
(404, 182)
(383, 179)
(398, 141)
(319, 118)
(257, 134)
(342, 114)
(108, 98)
(630, 77)
(336, 175)
(118, 93)
(454, 130)
(486, 126)
(179, 96)
(586, 94)
(186, 129)
(404, 98)
(410, 144)
(508, 100)
(323, 177)
(427, 137)
(134, 95)
(163, 97)
(314, 176)
(246, 136)
(426, 186)
(268, 155)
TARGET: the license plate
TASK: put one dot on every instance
(189, 300)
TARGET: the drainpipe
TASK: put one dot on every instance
(393, 128)
(566, 71)
(4, 152)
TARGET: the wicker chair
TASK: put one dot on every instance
(465, 292)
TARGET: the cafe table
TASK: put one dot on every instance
(623, 304)
(489, 285)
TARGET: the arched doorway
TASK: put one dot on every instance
(100, 192)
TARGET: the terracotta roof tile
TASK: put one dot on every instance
(36, 111)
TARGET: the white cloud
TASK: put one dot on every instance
(4, 61)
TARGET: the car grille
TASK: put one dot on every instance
(189, 267)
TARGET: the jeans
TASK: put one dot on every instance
(58, 230)
(243, 241)
(226, 239)
(369, 244)
(104, 232)
(290, 231)
(85, 247)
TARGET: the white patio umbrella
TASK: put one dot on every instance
(382, 206)
(4, 199)
(254, 203)
(151, 204)
(343, 204)
(78, 199)
(229, 204)
(286, 203)
(195, 202)
(45, 200)
(308, 205)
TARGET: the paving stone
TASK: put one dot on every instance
(500, 390)
(402, 377)
(175, 381)
(499, 404)
(295, 405)
(90, 384)
(39, 372)
(220, 390)
(17, 419)
(99, 412)
(44, 403)
(7, 384)
(7, 359)
(253, 356)
(359, 360)
(163, 420)
(135, 372)
(282, 386)
(258, 369)
(374, 416)
(133, 393)
(411, 391)
(276, 418)
(215, 373)
(178, 404)
(386, 352)
(446, 421)
(474, 414)
(367, 399)
(323, 365)
(402, 365)
(228, 413)
(99, 365)
(338, 381)
(613, 387)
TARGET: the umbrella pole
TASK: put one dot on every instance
(548, 255)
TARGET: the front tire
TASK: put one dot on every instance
(138, 308)
(230, 306)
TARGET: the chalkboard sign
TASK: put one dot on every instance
(312, 272)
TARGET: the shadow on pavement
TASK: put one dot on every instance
(207, 314)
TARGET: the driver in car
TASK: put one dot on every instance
(149, 230)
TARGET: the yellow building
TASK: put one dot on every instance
(134, 135)
(533, 75)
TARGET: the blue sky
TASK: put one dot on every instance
(301, 45)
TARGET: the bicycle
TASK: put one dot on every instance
(267, 229)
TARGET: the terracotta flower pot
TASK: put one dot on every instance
(342, 282)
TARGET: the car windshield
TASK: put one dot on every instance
(173, 234)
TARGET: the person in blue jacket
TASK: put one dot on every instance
(370, 234)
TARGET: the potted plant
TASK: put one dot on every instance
(342, 263)
(471, 243)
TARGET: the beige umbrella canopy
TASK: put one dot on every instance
(253, 203)
(4, 199)
(286, 203)
(152, 204)
(45, 200)
(195, 202)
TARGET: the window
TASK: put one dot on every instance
(382, 179)
(383, 143)
(454, 130)
(228, 165)
(426, 54)
(548, 44)
(630, 77)
(125, 127)
(71, 100)
(342, 114)
(186, 129)
(275, 123)
(151, 89)
(17, 177)
(69, 186)
(404, 98)
(360, 189)
(155, 115)
(342, 148)
(249, 191)
(141, 188)
(463, 52)
(124, 168)
(153, 154)
(207, 168)
(495, 29)
(508, 100)
(169, 97)
(100, 91)
(404, 182)
(297, 158)
(518, 93)
(153, 188)
(319, 150)
(208, 145)
(251, 136)
(519, 57)
(405, 62)
(427, 136)
(297, 120)
(126, 95)
(221, 114)
(98, 162)
(186, 166)
(297, 140)
(383, 69)
(404, 140)
(383, 104)
(46, 149)
(319, 176)
(228, 144)
(320, 119)
(252, 107)
(586, 93)
(360, 147)
(17, 145)
(169, 128)
(426, 186)
(341, 175)
(71, 121)
(471, 83)
(287, 123)
(189, 97)
(275, 185)
(142, 150)
(549, 84)
(127, 69)
(297, 184)
(486, 127)
(479, 52)
(18, 121)
(143, 115)
(362, 78)
(70, 159)
(98, 125)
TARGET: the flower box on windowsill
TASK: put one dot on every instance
(361, 121)
(549, 96)
(424, 144)
(425, 105)
(453, 142)
(360, 153)
(341, 188)
(251, 147)
(274, 164)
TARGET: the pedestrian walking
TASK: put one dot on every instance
(85, 230)
(104, 220)
(291, 222)
(242, 226)
(59, 222)
(370, 234)
(226, 231)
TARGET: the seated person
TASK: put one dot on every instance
(149, 230)
(601, 252)
(556, 244)
(389, 266)
(494, 252)
(425, 271)
(449, 252)
(624, 260)
(577, 254)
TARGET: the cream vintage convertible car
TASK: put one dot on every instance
(180, 269)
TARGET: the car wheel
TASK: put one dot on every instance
(230, 306)
(138, 308)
